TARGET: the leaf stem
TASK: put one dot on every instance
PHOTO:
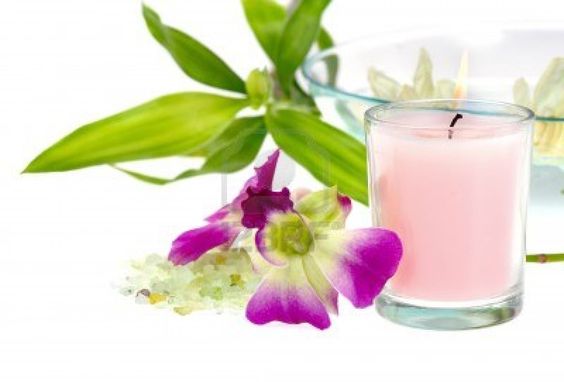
(545, 258)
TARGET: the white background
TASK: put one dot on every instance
(64, 237)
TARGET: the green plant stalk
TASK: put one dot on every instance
(545, 258)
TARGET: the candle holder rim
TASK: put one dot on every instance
(522, 113)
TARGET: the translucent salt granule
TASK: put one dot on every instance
(217, 281)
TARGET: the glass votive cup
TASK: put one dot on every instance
(451, 178)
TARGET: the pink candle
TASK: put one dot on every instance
(456, 196)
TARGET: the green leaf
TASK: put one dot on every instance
(170, 125)
(300, 32)
(195, 59)
(231, 151)
(302, 100)
(325, 41)
(143, 177)
(259, 87)
(330, 155)
(266, 18)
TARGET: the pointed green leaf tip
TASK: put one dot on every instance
(297, 32)
(266, 18)
(171, 125)
(300, 32)
(194, 58)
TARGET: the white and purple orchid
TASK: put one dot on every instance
(308, 258)
(223, 225)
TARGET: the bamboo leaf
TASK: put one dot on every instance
(325, 41)
(301, 99)
(171, 125)
(266, 19)
(194, 58)
(231, 151)
(330, 155)
(300, 32)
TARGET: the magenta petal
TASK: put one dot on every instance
(260, 204)
(265, 173)
(262, 180)
(192, 244)
(220, 214)
(285, 295)
(345, 203)
(359, 263)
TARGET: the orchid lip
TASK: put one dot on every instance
(285, 236)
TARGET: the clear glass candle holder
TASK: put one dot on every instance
(451, 178)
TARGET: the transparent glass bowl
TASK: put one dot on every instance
(498, 56)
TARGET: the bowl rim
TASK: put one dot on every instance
(399, 35)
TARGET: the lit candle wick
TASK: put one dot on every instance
(452, 123)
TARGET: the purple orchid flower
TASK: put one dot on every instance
(310, 258)
(225, 224)
(313, 258)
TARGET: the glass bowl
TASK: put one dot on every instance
(497, 56)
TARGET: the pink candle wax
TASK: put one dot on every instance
(457, 204)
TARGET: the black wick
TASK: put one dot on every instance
(454, 120)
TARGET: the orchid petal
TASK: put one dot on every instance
(262, 180)
(285, 295)
(245, 241)
(358, 263)
(271, 256)
(260, 265)
(192, 244)
(283, 237)
(265, 173)
(326, 207)
(220, 214)
(325, 291)
(299, 193)
(259, 204)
